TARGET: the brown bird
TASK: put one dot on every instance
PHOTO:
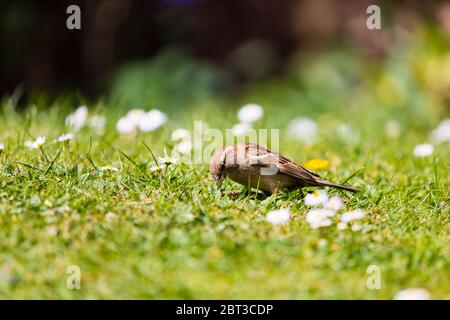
(256, 166)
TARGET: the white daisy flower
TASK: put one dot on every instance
(110, 216)
(108, 168)
(180, 134)
(341, 226)
(413, 294)
(334, 203)
(184, 147)
(442, 132)
(52, 231)
(303, 129)
(423, 150)
(125, 126)
(152, 120)
(347, 133)
(65, 137)
(319, 218)
(77, 119)
(97, 123)
(356, 226)
(250, 113)
(392, 129)
(155, 168)
(353, 215)
(241, 129)
(278, 217)
(316, 198)
(135, 116)
(37, 144)
(166, 160)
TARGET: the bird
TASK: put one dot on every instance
(258, 167)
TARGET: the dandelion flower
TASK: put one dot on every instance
(250, 113)
(125, 126)
(442, 132)
(347, 133)
(353, 215)
(316, 198)
(423, 150)
(37, 144)
(334, 203)
(2, 147)
(303, 129)
(65, 137)
(278, 217)
(77, 119)
(316, 164)
(180, 134)
(152, 120)
(413, 294)
(241, 129)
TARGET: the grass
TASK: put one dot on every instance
(176, 236)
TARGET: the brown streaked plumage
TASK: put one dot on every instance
(261, 168)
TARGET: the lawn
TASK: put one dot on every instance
(168, 234)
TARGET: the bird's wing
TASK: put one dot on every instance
(265, 158)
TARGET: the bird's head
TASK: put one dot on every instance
(217, 166)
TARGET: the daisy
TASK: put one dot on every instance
(319, 218)
(65, 137)
(303, 129)
(352, 215)
(278, 217)
(442, 132)
(250, 113)
(125, 126)
(180, 134)
(166, 160)
(316, 198)
(77, 119)
(97, 123)
(392, 129)
(334, 203)
(341, 226)
(152, 120)
(110, 216)
(37, 144)
(108, 168)
(356, 226)
(184, 147)
(413, 294)
(423, 150)
(241, 129)
(135, 115)
(347, 133)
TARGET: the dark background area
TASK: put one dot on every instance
(249, 39)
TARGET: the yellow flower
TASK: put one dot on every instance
(316, 164)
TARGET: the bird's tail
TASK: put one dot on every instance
(339, 186)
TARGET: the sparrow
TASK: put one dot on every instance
(256, 166)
